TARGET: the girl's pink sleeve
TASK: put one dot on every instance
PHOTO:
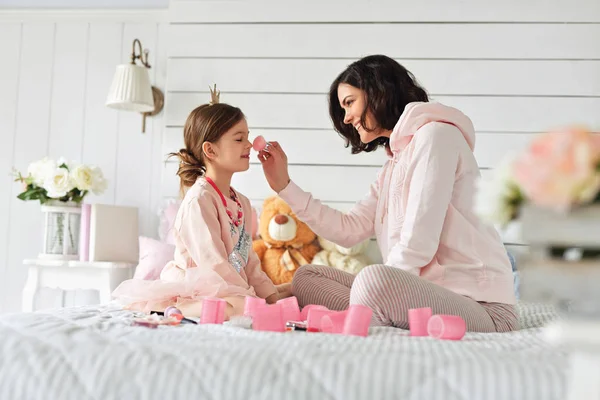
(344, 229)
(263, 286)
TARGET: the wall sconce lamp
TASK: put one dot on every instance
(131, 89)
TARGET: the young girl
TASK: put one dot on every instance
(437, 253)
(213, 250)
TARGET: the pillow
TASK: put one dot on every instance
(167, 216)
(154, 255)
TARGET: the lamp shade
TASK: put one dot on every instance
(131, 89)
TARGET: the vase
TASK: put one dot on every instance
(62, 221)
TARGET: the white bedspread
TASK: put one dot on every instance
(92, 353)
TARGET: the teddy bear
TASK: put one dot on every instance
(350, 260)
(285, 243)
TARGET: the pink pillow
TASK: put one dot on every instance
(167, 221)
(154, 255)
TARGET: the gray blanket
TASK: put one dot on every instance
(94, 353)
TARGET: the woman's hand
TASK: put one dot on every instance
(275, 167)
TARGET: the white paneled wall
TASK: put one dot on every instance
(383, 11)
(516, 68)
(55, 74)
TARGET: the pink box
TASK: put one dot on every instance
(84, 232)
(315, 316)
(449, 327)
(268, 318)
(213, 311)
(334, 322)
(290, 308)
(417, 320)
(358, 320)
(252, 304)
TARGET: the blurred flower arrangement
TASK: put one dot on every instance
(559, 171)
(60, 180)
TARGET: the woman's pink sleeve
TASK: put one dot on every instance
(344, 229)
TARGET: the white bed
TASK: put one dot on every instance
(93, 353)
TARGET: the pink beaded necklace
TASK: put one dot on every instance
(234, 198)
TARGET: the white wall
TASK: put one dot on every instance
(80, 4)
(516, 68)
(55, 74)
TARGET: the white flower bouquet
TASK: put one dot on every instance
(558, 171)
(60, 180)
(60, 186)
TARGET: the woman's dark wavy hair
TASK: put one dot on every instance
(388, 87)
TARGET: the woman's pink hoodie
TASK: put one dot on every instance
(420, 208)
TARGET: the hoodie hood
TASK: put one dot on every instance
(417, 114)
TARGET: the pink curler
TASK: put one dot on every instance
(252, 304)
(259, 143)
(269, 318)
(334, 322)
(449, 327)
(290, 309)
(213, 311)
(358, 320)
(307, 308)
(314, 318)
(417, 320)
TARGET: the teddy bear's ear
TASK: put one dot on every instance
(269, 200)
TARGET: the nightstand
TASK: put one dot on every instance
(103, 277)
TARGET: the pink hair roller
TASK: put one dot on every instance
(307, 308)
(417, 320)
(334, 322)
(213, 311)
(252, 304)
(449, 327)
(290, 309)
(259, 143)
(269, 318)
(358, 320)
(315, 317)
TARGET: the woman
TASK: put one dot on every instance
(436, 252)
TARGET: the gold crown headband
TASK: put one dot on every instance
(214, 95)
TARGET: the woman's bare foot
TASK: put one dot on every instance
(284, 290)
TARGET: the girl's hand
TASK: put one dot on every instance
(272, 299)
(284, 290)
(275, 167)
